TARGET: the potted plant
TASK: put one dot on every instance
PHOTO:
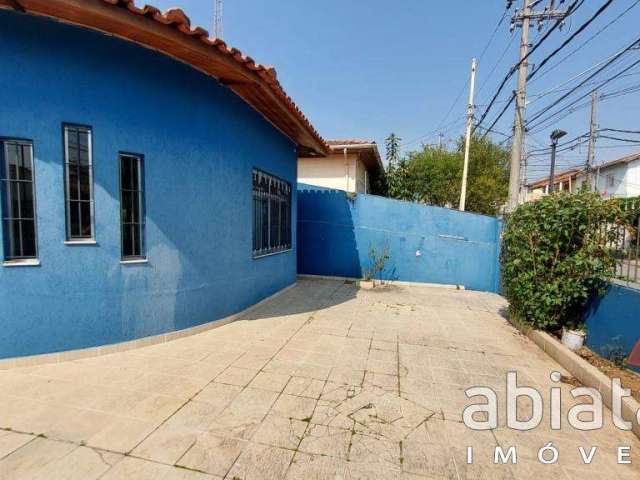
(573, 335)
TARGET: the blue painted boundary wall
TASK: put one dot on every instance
(427, 244)
(613, 321)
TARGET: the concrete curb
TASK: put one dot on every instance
(588, 375)
(390, 282)
(68, 355)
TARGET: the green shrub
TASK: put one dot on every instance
(554, 257)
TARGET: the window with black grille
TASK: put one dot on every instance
(271, 214)
(132, 206)
(18, 200)
(78, 165)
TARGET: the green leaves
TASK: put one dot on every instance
(555, 256)
(434, 176)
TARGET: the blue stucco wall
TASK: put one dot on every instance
(200, 142)
(612, 320)
(335, 233)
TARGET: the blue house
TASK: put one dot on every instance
(148, 175)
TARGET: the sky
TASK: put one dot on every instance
(365, 68)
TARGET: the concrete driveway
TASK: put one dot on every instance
(325, 381)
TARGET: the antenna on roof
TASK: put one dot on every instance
(217, 19)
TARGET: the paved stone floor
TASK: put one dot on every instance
(326, 381)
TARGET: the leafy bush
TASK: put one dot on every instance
(554, 257)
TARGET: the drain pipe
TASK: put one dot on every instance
(346, 164)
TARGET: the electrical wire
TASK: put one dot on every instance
(589, 40)
(464, 87)
(617, 130)
(573, 107)
(570, 10)
(612, 60)
(496, 64)
(582, 28)
(558, 88)
(618, 139)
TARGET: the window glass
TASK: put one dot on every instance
(79, 200)
(132, 206)
(18, 200)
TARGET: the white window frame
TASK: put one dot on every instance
(73, 239)
(21, 260)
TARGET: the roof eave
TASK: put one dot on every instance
(171, 34)
(371, 147)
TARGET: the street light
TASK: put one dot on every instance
(555, 136)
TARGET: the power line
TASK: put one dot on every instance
(617, 130)
(582, 27)
(581, 97)
(551, 55)
(584, 72)
(570, 10)
(575, 107)
(464, 87)
(538, 96)
(612, 60)
(446, 128)
(618, 139)
(502, 112)
(589, 40)
(495, 65)
(548, 149)
(493, 35)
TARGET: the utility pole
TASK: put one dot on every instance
(518, 125)
(593, 133)
(467, 146)
(523, 18)
(218, 19)
(440, 140)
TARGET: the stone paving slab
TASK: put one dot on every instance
(324, 382)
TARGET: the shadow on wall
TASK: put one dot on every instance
(336, 232)
(326, 234)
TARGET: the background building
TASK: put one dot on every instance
(615, 179)
(353, 166)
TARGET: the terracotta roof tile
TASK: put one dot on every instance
(626, 159)
(176, 18)
(559, 176)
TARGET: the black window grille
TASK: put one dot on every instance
(18, 200)
(132, 213)
(78, 165)
(271, 214)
